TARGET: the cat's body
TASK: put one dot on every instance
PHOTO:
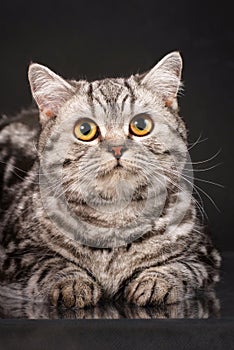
(107, 183)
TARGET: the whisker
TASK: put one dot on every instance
(198, 141)
(203, 169)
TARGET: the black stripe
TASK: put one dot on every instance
(152, 291)
(90, 98)
(113, 257)
(117, 95)
(23, 273)
(6, 264)
(92, 293)
(90, 91)
(74, 291)
(100, 103)
(191, 269)
(43, 274)
(67, 162)
(128, 86)
(123, 102)
(167, 294)
(104, 95)
(128, 246)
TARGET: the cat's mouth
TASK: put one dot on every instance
(118, 165)
(120, 168)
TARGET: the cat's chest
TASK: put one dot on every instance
(112, 267)
(108, 269)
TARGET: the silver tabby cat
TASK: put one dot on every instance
(94, 200)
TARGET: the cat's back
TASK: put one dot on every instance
(18, 139)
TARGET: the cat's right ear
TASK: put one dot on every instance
(165, 78)
(49, 90)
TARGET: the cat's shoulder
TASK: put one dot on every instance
(18, 150)
(26, 119)
(19, 133)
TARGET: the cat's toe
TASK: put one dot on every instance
(140, 290)
(68, 297)
(86, 293)
(75, 293)
(166, 291)
(152, 290)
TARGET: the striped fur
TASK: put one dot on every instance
(167, 262)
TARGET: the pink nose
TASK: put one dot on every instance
(117, 151)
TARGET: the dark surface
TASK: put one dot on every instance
(117, 335)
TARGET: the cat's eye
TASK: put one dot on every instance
(141, 125)
(86, 130)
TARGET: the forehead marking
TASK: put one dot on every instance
(123, 102)
(90, 98)
(133, 98)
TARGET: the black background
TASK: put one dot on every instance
(92, 39)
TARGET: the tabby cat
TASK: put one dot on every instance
(95, 201)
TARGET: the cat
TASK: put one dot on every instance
(95, 204)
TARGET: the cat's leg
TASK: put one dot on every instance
(169, 283)
(65, 284)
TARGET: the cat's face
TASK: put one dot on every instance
(119, 142)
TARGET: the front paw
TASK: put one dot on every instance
(152, 289)
(77, 292)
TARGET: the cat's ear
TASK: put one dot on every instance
(49, 90)
(165, 77)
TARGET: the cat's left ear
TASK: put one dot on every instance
(49, 90)
(165, 77)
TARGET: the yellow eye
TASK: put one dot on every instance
(141, 125)
(86, 130)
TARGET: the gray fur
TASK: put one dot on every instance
(110, 246)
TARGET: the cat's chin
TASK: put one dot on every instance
(112, 204)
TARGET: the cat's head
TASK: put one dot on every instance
(117, 143)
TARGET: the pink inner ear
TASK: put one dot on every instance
(44, 106)
(168, 102)
(47, 112)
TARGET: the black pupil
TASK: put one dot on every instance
(85, 128)
(140, 123)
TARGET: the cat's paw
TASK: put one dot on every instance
(153, 289)
(77, 292)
